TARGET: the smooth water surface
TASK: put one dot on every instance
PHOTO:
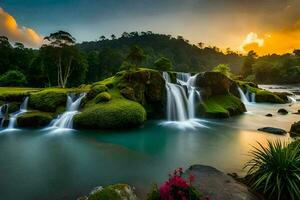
(36, 164)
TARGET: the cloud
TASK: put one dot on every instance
(279, 42)
(15, 33)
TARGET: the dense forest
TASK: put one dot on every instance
(63, 62)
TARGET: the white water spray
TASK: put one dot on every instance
(65, 120)
(181, 97)
(13, 117)
(3, 113)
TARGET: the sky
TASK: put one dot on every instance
(265, 26)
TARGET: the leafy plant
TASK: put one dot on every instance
(275, 170)
(175, 188)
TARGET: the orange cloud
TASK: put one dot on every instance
(15, 33)
(279, 42)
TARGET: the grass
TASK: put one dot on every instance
(275, 170)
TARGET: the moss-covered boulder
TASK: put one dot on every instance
(112, 192)
(146, 87)
(295, 129)
(48, 100)
(263, 96)
(102, 97)
(215, 83)
(115, 114)
(95, 90)
(34, 119)
(15, 94)
(221, 106)
(13, 107)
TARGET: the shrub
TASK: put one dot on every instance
(176, 188)
(275, 170)
(13, 78)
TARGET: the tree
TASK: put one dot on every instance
(297, 52)
(136, 56)
(102, 37)
(163, 64)
(248, 62)
(5, 55)
(61, 55)
(113, 37)
(224, 69)
(13, 78)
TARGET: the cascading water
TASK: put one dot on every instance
(181, 97)
(13, 117)
(247, 97)
(66, 119)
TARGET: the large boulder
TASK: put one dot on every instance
(115, 114)
(146, 87)
(215, 83)
(48, 100)
(34, 119)
(218, 186)
(112, 192)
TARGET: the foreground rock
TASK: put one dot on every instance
(272, 130)
(217, 185)
(112, 192)
(295, 129)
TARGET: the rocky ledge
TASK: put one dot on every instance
(217, 185)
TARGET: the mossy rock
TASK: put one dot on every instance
(221, 106)
(115, 114)
(263, 96)
(48, 100)
(267, 97)
(112, 192)
(145, 86)
(12, 95)
(95, 90)
(102, 97)
(34, 119)
(215, 83)
(13, 107)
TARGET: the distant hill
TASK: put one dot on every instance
(184, 56)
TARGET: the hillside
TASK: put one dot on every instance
(184, 56)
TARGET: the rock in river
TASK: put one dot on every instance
(273, 130)
(295, 129)
(217, 185)
(282, 111)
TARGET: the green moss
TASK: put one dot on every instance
(48, 100)
(269, 97)
(263, 96)
(9, 94)
(112, 192)
(13, 107)
(95, 90)
(222, 106)
(102, 97)
(117, 113)
(34, 119)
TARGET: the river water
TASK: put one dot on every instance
(38, 164)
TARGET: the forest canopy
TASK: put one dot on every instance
(63, 62)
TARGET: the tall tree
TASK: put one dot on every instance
(136, 55)
(163, 64)
(60, 46)
(248, 63)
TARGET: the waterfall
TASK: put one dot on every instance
(13, 117)
(181, 97)
(247, 97)
(3, 113)
(65, 120)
